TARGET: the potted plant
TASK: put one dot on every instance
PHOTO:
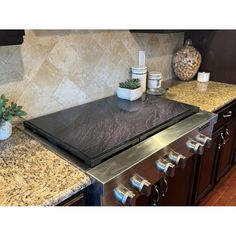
(129, 90)
(7, 113)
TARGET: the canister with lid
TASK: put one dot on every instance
(154, 80)
(140, 73)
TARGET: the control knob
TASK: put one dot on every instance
(195, 146)
(141, 184)
(206, 141)
(177, 159)
(124, 195)
(165, 167)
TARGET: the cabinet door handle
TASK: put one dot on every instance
(157, 195)
(223, 141)
(163, 193)
(229, 114)
(228, 134)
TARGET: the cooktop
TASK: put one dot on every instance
(95, 131)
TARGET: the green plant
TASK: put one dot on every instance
(8, 112)
(130, 84)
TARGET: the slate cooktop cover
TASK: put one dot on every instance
(96, 130)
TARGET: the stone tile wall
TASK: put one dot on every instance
(56, 69)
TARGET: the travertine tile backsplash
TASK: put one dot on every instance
(56, 69)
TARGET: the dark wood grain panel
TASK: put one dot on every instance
(180, 187)
(218, 50)
(11, 37)
(225, 158)
(224, 193)
(206, 168)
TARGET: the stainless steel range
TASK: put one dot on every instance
(128, 146)
(133, 172)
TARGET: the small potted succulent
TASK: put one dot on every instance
(129, 90)
(7, 113)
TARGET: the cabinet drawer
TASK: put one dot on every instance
(225, 114)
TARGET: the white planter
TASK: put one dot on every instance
(5, 130)
(129, 94)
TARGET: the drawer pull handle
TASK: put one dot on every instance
(229, 114)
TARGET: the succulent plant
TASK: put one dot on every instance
(8, 112)
(130, 84)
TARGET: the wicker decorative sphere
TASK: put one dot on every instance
(186, 61)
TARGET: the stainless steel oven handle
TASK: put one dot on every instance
(229, 114)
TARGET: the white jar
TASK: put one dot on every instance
(203, 77)
(140, 73)
(154, 80)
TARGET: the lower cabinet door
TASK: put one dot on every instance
(205, 168)
(226, 155)
(180, 187)
(234, 160)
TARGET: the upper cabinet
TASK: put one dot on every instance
(218, 50)
(11, 37)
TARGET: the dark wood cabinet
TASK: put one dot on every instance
(218, 50)
(234, 159)
(205, 168)
(11, 37)
(217, 160)
(180, 187)
(227, 150)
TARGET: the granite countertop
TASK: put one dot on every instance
(32, 175)
(209, 96)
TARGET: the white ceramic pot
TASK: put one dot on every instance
(5, 130)
(129, 94)
(140, 73)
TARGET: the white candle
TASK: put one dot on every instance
(141, 58)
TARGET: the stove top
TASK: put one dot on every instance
(95, 131)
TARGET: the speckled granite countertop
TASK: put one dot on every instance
(209, 96)
(32, 175)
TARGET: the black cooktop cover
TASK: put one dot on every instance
(95, 131)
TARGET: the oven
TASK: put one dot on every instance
(137, 176)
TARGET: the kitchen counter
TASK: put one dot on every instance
(209, 96)
(31, 175)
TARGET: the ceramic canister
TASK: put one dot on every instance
(140, 73)
(203, 77)
(154, 80)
